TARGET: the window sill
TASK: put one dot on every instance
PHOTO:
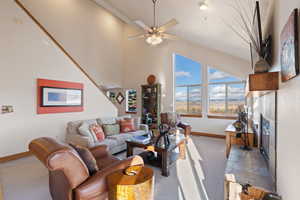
(192, 115)
(221, 117)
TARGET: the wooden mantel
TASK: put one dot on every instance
(262, 82)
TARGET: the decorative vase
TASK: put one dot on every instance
(261, 66)
(151, 79)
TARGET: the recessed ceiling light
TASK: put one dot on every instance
(203, 5)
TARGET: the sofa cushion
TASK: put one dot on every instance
(109, 142)
(97, 131)
(127, 125)
(137, 122)
(74, 125)
(84, 130)
(107, 120)
(87, 157)
(111, 129)
(121, 138)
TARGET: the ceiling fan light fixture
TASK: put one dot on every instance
(154, 40)
(203, 5)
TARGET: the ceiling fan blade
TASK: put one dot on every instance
(169, 36)
(143, 25)
(133, 37)
(168, 25)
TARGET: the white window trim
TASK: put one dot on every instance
(226, 114)
(204, 88)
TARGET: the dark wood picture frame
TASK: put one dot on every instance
(289, 55)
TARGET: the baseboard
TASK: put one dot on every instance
(15, 156)
(209, 135)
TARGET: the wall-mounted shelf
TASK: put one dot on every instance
(262, 83)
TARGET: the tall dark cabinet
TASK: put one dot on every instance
(151, 105)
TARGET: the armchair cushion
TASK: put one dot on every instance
(87, 158)
(99, 151)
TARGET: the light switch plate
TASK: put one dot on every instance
(7, 109)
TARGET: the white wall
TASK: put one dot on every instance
(25, 55)
(142, 60)
(288, 143)
(93, 36)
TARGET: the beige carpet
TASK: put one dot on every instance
(199, 177)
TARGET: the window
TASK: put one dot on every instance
(225, 93)
(188, 86)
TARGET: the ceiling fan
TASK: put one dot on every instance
(156, 34)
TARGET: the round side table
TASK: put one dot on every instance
(133, 183)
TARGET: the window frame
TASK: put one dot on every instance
(226, 113)
(204, 92)
(188, 86)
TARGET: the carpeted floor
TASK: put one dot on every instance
(199, 177)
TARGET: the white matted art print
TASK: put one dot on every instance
(61, 97)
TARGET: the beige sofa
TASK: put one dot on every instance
(115, 143)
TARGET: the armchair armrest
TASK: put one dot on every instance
(144, 127)
(99, 151)
(96, 185)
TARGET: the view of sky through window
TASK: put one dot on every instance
(188, 92)
(217, 76)
(187, 71)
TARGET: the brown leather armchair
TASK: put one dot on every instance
(69, 178)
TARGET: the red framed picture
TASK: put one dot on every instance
(59, 96)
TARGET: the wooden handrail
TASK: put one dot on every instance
(60, 46)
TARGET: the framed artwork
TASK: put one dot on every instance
(112, 96)
(289, 55)
(131, 104)
(61, 97)
(120, 98)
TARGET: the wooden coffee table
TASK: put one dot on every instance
(166, 157)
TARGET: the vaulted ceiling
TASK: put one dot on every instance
(207, 28)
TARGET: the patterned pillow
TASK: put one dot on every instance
(97, 131)
(87, 157)
(127, 125)
(111, 129)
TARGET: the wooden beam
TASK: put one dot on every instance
(15, 156)
(209, 135)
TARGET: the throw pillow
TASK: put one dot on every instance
(127, 125)
(84, 130)
(97, 131)
(87, 157)
(111, 129)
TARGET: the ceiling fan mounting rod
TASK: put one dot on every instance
(154, 10)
